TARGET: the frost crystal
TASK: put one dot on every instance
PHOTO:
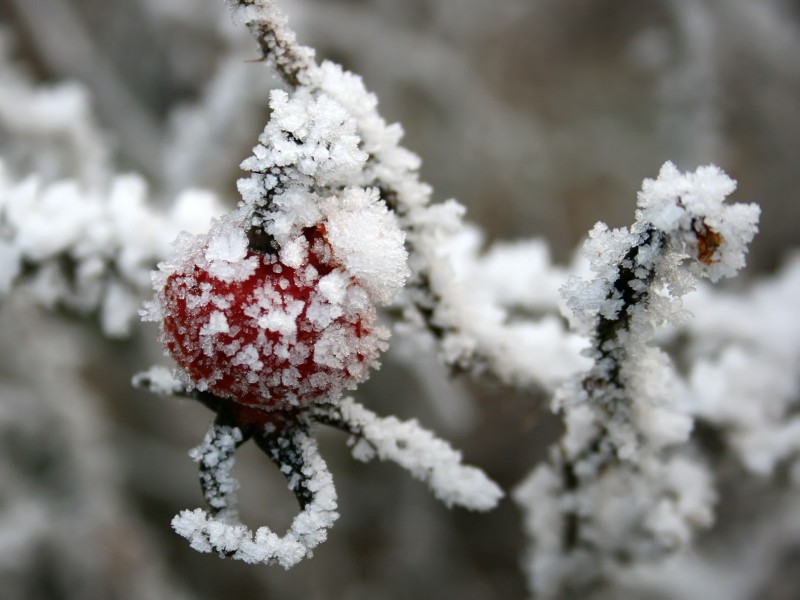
(272, 314)
(364, 235)
(691, 206)
(268, 330)
(745, 383)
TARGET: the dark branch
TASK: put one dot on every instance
(284, 449)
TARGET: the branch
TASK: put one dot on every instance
(473, 334)
(216, 458)
(90, 249)
(415, 449)
(277, 43)
(405, 443)
(297, 454)
(621, 486)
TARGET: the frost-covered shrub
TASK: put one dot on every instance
(275, 302)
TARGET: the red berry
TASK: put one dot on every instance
(269, 335)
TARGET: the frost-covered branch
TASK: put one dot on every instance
(417, 450)
(284, 438)
(298, 456)
(216, 458)
(619, 488)
(86, 249)
(276, 41)
(744, 380)
(474, 333)
(275, 310)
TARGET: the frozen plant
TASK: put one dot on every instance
(744, 383)
(271, 315)
(622, 486)
(89, 248)
(279, 309)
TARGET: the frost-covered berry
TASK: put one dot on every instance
(245, 326)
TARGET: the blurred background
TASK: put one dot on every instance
(541, 116)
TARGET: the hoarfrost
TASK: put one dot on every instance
(617, 482)
(108, 238)
(417, 450)
(364, 235)
(222, 533)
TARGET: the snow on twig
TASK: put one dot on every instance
(277, 42)
(215, 456)
(407, 444)
(744, 380)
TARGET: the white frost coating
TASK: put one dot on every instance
(473, 327)
(333, 287)
(225, 253)
(251, 328)
(284, 52)
(327, 136)
(482, 291)
(294, 253)
(217, 323)
(89, 249)
(310, 164)
(425, 456)
(234, 540)
(228, 246)
(312, 137)
(668, 499)
(366, 238)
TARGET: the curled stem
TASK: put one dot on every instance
(297, 455)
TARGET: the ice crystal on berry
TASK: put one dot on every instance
(248, 327)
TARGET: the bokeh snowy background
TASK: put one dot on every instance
(541, 116)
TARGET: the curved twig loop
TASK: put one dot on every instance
(297, 454)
